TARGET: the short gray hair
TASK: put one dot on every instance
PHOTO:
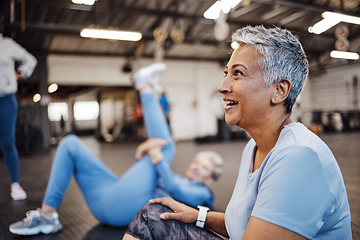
(283, 57)
(216, 160)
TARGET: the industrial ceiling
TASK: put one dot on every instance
(53, 27)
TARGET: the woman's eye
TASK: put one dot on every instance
(225, 73)
(238, 72)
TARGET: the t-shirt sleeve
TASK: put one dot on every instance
(293, 191)
(27, 61)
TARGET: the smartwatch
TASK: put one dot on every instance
(202, 216)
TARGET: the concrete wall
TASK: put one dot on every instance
(334, 90)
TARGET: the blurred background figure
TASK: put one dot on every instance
(12, 54)
(165, 105)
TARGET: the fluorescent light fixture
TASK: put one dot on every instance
(110, 34)
(342, 17)
(323, 25)
(85, 2)
(214, 11)
(344, 55)
(225, 5)
(330, 19)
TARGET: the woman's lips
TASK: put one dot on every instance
(229, 104)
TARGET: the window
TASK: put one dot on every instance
(86, 110)
(55, 110)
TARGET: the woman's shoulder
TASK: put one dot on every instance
(299, 146)
(298, 136)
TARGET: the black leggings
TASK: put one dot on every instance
(147, 225)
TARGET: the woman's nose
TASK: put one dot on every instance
(224, 86)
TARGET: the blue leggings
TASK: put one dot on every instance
(8, 114)
(113, 200)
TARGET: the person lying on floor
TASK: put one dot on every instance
(115, 200)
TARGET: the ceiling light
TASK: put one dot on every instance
(214, 11)
(52, 88)
(110, 34)
(85, 2)
(225, 5)
(344, 55)
(323, 25)
(341, 17)
(37, 97)
(330, 19)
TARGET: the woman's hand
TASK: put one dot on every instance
(156, 155)
(151, 143)
(181, 211)
(18, 75)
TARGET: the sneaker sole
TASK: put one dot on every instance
(18, 198)
(36, 230)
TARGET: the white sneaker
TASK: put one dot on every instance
(35, 223)
(149, 74)
(17, 192)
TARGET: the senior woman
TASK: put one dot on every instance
(289, 184)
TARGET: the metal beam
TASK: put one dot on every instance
(155, 12)
(51, 29)
(301, 5)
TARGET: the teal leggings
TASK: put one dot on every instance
(112, 199)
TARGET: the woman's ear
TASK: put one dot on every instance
(281, 91)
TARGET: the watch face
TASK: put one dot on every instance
(202, 216)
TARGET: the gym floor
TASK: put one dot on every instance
(78, 223)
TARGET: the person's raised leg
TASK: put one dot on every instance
(154, 117)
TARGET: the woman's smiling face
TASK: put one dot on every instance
(200, 170)
(245, 94)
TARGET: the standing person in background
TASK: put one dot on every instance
(165, 105)
(11, 53)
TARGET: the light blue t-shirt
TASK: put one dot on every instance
(299, 186)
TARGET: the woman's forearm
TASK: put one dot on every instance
(215, 221)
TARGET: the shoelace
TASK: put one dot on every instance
(30, 215)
